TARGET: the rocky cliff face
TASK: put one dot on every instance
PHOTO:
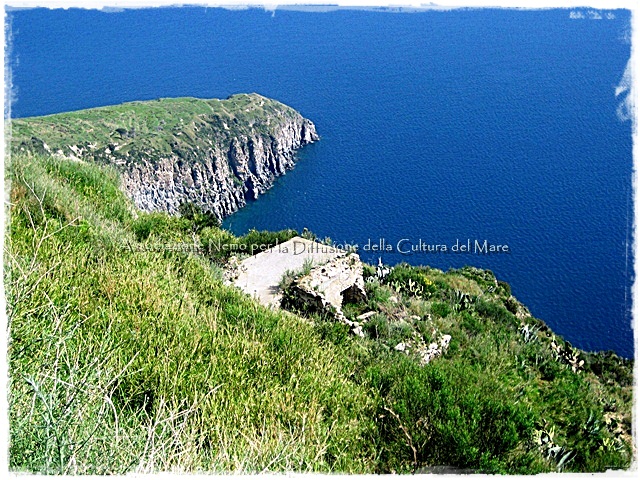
(216, 154)
(222, 177)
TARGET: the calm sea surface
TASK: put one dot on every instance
(437, 128)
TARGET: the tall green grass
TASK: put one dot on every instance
(127, 360)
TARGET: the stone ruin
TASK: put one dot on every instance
(335, 278)
(327, 287)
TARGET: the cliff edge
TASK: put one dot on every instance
(215, 153)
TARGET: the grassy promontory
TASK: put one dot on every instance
(128, 353)
(150, 129)
(216, 154)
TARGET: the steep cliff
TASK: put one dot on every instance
(215, 153)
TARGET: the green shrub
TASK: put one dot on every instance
(161, 225)
(470, 323)
(257, 241)
(221, 244)
(440, 309)
(483, 277)
(329, 330)
(368, 271)
(399, 331)
(199, 219)
(377, 327)
(434, 416)
(494, 311)
(377, 294)
(352, 310)
(610, 367)
(549, 369)
(504, 288)
(424, 329)
(410, 280)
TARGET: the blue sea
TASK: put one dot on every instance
(438, 128)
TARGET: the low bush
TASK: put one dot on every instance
(440, 309)
(433, 416)
(495, 312)
(410, 280)
(221, 244)
(198, 218)
(161, 226)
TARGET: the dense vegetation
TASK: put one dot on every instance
(128, 353)
(128, 358)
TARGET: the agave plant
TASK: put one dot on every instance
(591, 426)
(382, 270)
(551, 451)
(529, 333)
(461, 301)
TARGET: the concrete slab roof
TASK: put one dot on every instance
(260, 275)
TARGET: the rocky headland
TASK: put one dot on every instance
(216, 154)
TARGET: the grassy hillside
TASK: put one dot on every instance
(151, 129)
(128, 357)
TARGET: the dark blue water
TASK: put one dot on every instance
(436, 127)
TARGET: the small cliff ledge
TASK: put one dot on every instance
(215, 153)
